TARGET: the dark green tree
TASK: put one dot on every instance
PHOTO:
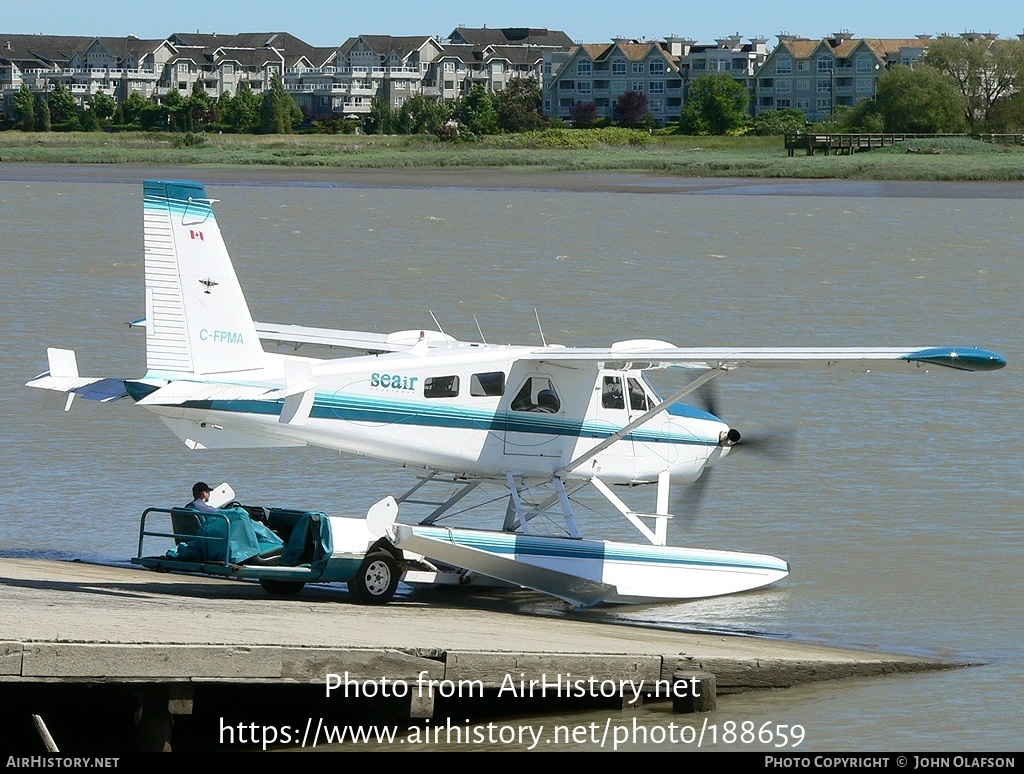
(476, 112)
(631, 109)
(63, 106)
(240, 113)
(90, 121)
(25, 108)
(43, 121)
(863, 117)
(276, 111)
(785, 121)
(103, 105)
(381, 119)
(715, 104)
(132, 108)
(919, 99)
(421, 115)
(176, 109)
(518, 105)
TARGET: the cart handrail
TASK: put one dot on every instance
(182, 536)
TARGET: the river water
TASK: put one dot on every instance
(900, 510)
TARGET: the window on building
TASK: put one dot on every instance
(228, 69)
(699, 64)
(618, 67)
(824, 104)
(656, 105)
(657, 67)
(801, 66)
(638, 85)
(638, 68)
(497, 67)
(784, 65)
(441, 387)
(863, 84)
(488, 384)
(657, 87)
(826, 64)
(584, 68)
(781, 103)
(864, 64)
(449, 67)
(824, 85)
(784, 86)
(583, 87)
(803, 104)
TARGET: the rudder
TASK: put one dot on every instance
(197, 319)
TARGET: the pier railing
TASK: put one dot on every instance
(852, 142)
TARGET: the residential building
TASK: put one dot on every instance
(602, 72)
(817, 76)
(729, 55)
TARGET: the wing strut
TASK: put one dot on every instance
(642, 419)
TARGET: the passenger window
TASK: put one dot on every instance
(611, 393)
(487, 384)
(441, 387)
(638, 400)
(537, 394)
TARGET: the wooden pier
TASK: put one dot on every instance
(852, 142)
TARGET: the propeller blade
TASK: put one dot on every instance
(691, 497)
(705, 398)
(778, 443)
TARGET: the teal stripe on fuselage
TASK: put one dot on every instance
(354, 408)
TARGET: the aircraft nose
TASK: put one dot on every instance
(729, 437)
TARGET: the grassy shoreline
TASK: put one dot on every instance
(752, 157)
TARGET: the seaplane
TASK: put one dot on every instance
(539, 422)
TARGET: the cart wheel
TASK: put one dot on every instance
(377, 579)
(281, 588)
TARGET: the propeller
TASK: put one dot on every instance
(777, 443)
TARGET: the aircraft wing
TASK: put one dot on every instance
(729, 358)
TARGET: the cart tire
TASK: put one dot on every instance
(281, 588)
(377, 579)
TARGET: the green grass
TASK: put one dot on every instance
(608, 150)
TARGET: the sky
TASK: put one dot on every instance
(329, 24)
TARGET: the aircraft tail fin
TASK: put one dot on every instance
(197, 319)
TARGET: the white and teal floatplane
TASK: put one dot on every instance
(540, 421)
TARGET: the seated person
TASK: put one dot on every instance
(200, 496)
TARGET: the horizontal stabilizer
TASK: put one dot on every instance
(63, 377)
(572, 588)
(180, 392)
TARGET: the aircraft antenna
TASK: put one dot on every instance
(536, 314)
(438, 324)
(480, 330)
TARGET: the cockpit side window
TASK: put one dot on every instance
(611, 393)
(537, 394)
(638, 400)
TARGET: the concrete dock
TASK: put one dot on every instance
(158, 638)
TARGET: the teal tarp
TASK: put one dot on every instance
(246, 539)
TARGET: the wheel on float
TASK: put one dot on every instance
(377, 579)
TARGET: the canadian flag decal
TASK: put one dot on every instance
(196, 234)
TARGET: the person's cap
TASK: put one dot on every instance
(199, 487)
